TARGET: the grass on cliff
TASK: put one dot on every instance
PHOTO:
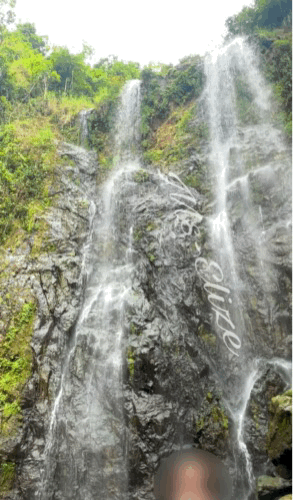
(172, 139)
(15, 364)
(29, 135)
(7, 473)
(27, 159)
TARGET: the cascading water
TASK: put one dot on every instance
(86, 447)
(84, 132)
(157, 221)
(234, 169)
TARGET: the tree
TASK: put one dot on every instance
(7, 15)
(75, 75)
(265, 14)
(37, 42)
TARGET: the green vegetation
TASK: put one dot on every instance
(269, 24)
(279, 437)
(133, 329)
(218, 415)
(27, 158)
(208, 337)
(15, 365)
(41, 95)
(266, 14)
(131, 361)
(278, 70)
(244, 102)
(215, 421)
(7, 473)
(141, 176)
(172, 139)
(256, 411)
(167, 89)
(137, 234)
(151, 257)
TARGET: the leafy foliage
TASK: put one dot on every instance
(264, 14)
(26, 156)
(173, 140)
(7, 15)
(268, 24)
(7, 472)
(165, 89)
(40, 98)
(37, 42)
(15, 362)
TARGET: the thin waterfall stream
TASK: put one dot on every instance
(86, 436)
(223, 67)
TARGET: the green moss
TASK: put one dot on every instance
(131, 361)
(279, 437)
(282, 43)
(15, 365)
(208, 337)
(141, 176)
(269, 483)
(40, 244)
(255, 410)
(200, 423)
(27, 160)
(137, 234)
(209, 397)
(244, 103)
(219, 416)
(192, 181)
(7, 473)
(253, 301)
(151, 226)
(172, 139)
(151, 257)
(133, 329)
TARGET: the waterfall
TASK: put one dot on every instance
(83, 120)
(86, 442)
(127, 131)
(144, 373)
(246, 156)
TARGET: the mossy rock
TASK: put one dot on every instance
(265, 484)
(7, 473)
(214, 424)
(15, 366)
(279, 437)
(141, 176)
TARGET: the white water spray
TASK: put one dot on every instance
(85, 437)
(226, 69)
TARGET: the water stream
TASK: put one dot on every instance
(86, 447)
(233, 175)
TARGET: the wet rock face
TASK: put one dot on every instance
(279, 437)
(259, 203)
(178, 374)
(54, 277)
(269, 488)
(172, 397)
(258, 415)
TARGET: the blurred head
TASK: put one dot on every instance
(192, 475)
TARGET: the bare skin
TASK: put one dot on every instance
(191, 482)
(192, 475)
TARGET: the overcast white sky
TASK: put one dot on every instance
(134, 30)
